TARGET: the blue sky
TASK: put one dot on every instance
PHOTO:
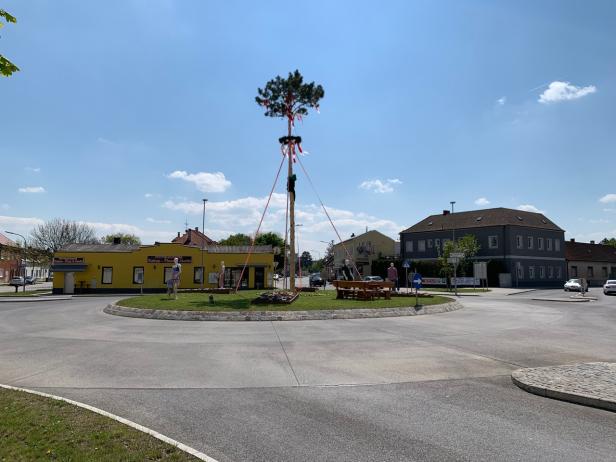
(486, 103)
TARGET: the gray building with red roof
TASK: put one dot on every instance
(523, 249)
(594, 262)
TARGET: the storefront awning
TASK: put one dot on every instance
(69, 267)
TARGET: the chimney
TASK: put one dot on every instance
(197, 228)
(592, 242)
(178, 234)
(446, 212)
(572, 240)
(117, 240)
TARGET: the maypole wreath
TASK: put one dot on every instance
(290, 98)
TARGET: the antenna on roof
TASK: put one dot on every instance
(186, 223)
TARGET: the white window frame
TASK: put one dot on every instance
(408, 246)
(519, 241)
(430, 243)
(421, 245)
(550, 272)
(531, 272)
(539, 243)
(491, 240)
(557, 245)
(542, 272)
(107, 271)
(530, 242)
(548, 244)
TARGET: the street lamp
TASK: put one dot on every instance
(203, 245)
(299, 257)
(25, 255)
(455, 265)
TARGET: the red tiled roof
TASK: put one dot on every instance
(195, 238)
(6, 241)
(581, 251)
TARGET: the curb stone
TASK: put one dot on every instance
(52, 298)
(122, 420)
(359, 313)
(589, 384)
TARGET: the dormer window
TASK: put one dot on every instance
(478, 218)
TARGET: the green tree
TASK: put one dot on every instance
(236, 239)
(468, 246)
(270, 238)
(124, 238)
(306, 259)
(7, 67)
(611, 241)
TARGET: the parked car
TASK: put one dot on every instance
(315, 280)
(578, 285)
(17, 281)
(373, 278)
(609, 287)
(31, 280)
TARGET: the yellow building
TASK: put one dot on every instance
(100, 268)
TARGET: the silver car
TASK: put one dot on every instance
(609, 287)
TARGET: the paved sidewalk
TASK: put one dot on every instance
(590, 384)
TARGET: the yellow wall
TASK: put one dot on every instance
(124, 262)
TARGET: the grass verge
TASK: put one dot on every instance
(320, 300)
(27, 293)
(460, 290)
(37, 428)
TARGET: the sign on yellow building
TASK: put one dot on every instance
(124, 268)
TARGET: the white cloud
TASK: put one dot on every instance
(204, 181)
(482, 201)
(32, 189)
(145, 235)
(501, 101)
(148, 195)
(21, 225)
(564, 91)
(599, 221)
(608, 199)
(379, 186)
(33, 169)
(161, 222)
(529, 208)
(609, 210)
(243, 215)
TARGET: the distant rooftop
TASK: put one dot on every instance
(6, 241)
(193, 237)
(481, 218)
(99, 248)
(582, 251)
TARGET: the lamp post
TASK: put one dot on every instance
(299, 257)
(203, 246)
(455, 265)
(25, 255)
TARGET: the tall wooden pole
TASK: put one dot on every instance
(291, 211)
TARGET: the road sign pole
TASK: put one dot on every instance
(406, 277)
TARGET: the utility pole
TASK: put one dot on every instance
(203, 246)
(291, 191)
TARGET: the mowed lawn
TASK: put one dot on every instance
(320, 300)
(37, 428)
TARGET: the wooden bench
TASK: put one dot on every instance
(363, 290)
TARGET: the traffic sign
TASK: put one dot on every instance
(417, 281)
(453, 260)
(456, 254)
(406, 264)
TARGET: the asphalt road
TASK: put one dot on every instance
(394, 389)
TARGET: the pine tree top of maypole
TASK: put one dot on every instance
(289, 97)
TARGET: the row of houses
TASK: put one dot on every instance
(13, 262)
(523, 249)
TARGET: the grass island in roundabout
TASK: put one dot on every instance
(241, 305)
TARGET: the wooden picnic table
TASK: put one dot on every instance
(363, 290)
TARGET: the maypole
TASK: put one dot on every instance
(290, 98)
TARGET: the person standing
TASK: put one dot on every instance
(392, 275)
(176, 271)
